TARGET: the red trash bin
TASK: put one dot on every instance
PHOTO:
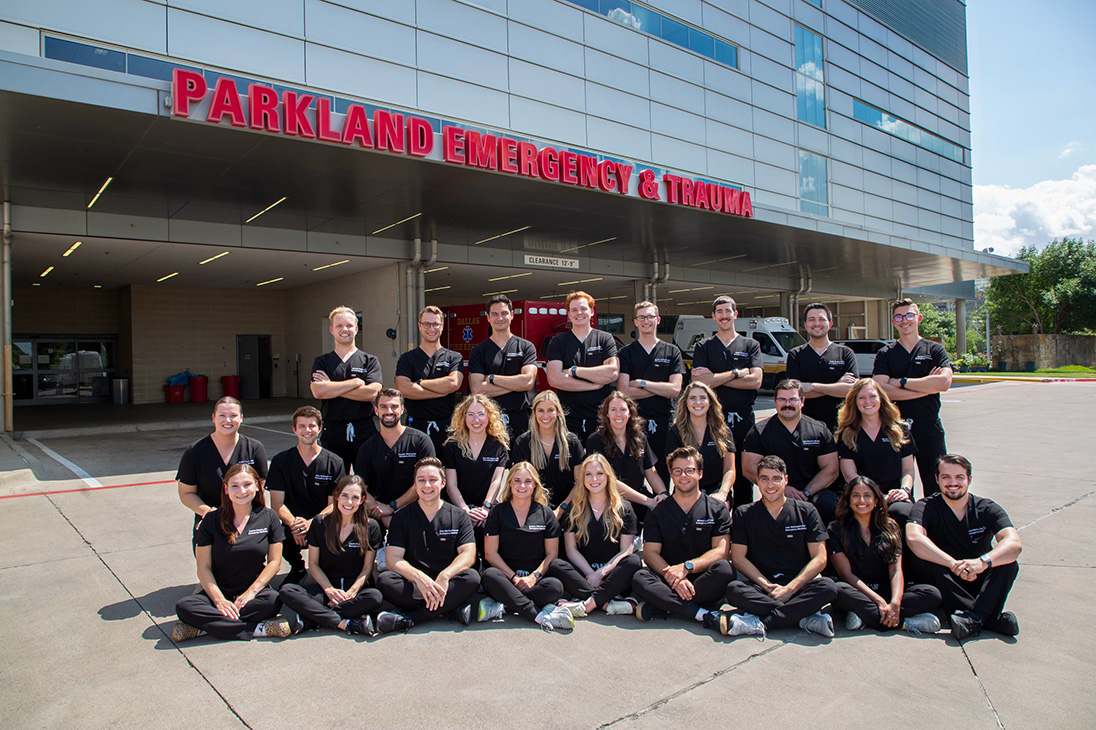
(174, 393)
(199, 388)
(231, 385)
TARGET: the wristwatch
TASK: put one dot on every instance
(487, 505)
(902, 383)
(537, 574)
(643, 385)
(392, 504)
(986, 559)
(491, 378)
(689, 565)
(574, 371)
(734, 374)
(807, 493)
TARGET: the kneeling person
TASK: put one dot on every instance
(971, 547)
(685, 541)
(779, 546)
(430, 553)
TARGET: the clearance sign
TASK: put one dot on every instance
(290, 114)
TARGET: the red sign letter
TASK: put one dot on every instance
(481, 150)
(262, 108)
(605, 180)
(589, 171)
(452, 147)
(624, 175)
(293, 109)
(356, 127)
(508, 155)
(672, 182)
(186, 86)
(549, 164)
(323, 121)
(226, 100)
(388, 131)
(745, 204)
(527, 159)
(420, 136)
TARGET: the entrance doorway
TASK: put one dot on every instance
(255, 364)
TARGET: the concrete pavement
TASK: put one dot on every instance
(89, 579)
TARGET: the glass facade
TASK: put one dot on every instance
(904, 130)
(813, 184)
(810, 86)
(643, 18)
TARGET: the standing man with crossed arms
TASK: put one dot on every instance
(504, 367)
(429, 377)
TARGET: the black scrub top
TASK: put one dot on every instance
(656, 366)
(487, 358)
(360, 364)
(896, 361)
(742, 353)
(474, 475)
(877, 459)
(390, 472)
(807, 365)
(201, 465)
(593, 351)
(969, 538)
(430, 545)
(306, 487)
(629, 469)
(344, 567)
(713, 462)
(778, 547)
(558, 482)
(686, 536)
(522, 546)
(237, 565)
(598, 548)
(416, 365)
(799, 448)
(864, 560)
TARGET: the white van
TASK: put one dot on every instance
(775, 335)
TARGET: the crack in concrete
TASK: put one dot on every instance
(148, 615)
(982, 687)
(685, 690)
(1058, 509)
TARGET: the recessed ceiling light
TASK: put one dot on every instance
(45, 273)
(328, 266)
(503, 235)
(440, 268)
(725, 258)
(586, 245)
(410, 217)
(214, 258)
(165, 278)
(72, 248)
(97, 286)
(511, 276)
(36, 284)
(493, 293)
(269, 281)
(276, 202)
(101, 189)
(695, 288)
(581, 281)
(438, 288)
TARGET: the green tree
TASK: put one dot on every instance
(936, 323)
(1058, 295)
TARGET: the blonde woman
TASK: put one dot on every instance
(554, 451)
(475, 456)
(598, 544)
(700, 423)
(522, 540)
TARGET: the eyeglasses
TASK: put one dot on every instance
(646, 317)
(430, 325)
(908, 317)
(687, 471)
(793, 399)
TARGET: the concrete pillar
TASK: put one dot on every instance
(786, 305)
(5, 316)
(960, 327)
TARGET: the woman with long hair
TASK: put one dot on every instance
(599, 560)
(342, 547)
(700, 423)
(522, 540)
(873, 441)
(621, 436)
(553, 450)
(239, 550)
(865, 547)
(475, 456)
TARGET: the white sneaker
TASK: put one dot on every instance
(746, 624)
(577, 608)
(555, 617)
(853, 622)
(922, 623)
(489, 610)
(626, 607)
(818, 623)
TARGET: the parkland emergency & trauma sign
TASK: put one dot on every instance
(308, 116)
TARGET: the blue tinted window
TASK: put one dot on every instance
(813, 184)
(588, 4)
(85, 55)
(675, 32)
(810, 90)
(702, 43)
(810, 98)
(154, 68)
(904, 130)
(726, 53)
(647, 20)
(606, 7)
(816, 3)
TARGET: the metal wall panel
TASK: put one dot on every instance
(234, 46)
(367, 35)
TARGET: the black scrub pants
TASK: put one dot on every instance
(547, 590)
(931, 445)
(710, 587)
(198, 611)
(825, 501)
(346, 437)
(743, 490)
(617, 583)
(582, 424)
(656, 439)
(293, 554)
(916, 598)
(984, 595)
(517, 423)
(436, 431)
(747, 596)
(402, 593)
(310, 603)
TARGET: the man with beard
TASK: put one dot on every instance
(826, 370)
(347, 380)
(805, 445)
(386, 462)
(504, 367)
(971, 549)
(301, 481)
(429, 377)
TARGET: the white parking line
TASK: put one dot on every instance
(88, 478)
(271, 430)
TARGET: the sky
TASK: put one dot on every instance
(1033, 121)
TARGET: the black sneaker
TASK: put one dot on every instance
(648, 612)
(1005, 624)
(363, 625)
(965, 624)
(462, 615)
(389, 622)
(717, 621)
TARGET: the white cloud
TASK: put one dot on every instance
(1009, 218)
(1070, 149)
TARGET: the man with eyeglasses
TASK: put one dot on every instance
(826, 369)
(504, 367)
(651, 372)
(429, 377)
(805, 445)
(685, 547)
(914, 372)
